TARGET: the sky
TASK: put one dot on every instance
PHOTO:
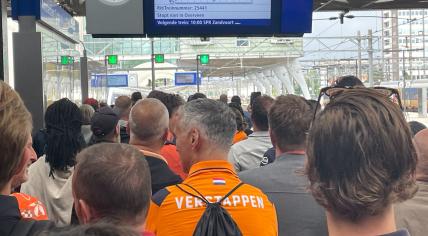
(333, 28)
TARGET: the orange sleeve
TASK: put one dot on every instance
(30, 207)
(152, 218)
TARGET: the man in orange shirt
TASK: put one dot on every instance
(204, 132)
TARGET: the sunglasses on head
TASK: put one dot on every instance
(334, 91)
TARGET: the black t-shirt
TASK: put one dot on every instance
(11, 221)
(268, 157)
(162, 175)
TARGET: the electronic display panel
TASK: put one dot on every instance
(185, 78)
(201, 18)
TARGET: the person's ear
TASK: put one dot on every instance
(83, 211)
(117, 130)
(128, 129)
(272, 138)
(195, 137)
(165, 135)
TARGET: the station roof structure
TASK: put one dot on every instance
(338, 5)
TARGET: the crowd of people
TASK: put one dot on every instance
(346, 164)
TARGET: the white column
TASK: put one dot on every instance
(265, 83)
(424, 103)
(276, 83)
(296, 71)
(282, 74)
(257, 83)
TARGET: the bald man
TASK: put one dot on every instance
(148, 125)
(413, 214)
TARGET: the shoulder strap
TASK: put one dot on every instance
(231, 191)
(23, 227)
(202, 198)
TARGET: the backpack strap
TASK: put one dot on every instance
(231, 191)
(202, 198)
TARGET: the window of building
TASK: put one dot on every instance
(387, 42)
(242, 42)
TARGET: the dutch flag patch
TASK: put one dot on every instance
(219, 181)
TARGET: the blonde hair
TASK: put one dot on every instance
(15, 125)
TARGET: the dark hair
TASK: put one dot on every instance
(415, 127)
(157, 94)
(236, 99)
(119, 189)
(64, 138)
(253, 96)
(239, 119)
(237, 106)
(15, 130)
(98, 229)
(348, 81)
(361, 157)
(196, 96)
(259, 112)
(171, 101)
(312, 104)
(135, 97)
(289, 120)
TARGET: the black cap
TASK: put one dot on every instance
(104, 121)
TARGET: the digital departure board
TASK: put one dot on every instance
(212, 12)
(184, 18)
(199, 18)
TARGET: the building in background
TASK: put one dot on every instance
(404, 43)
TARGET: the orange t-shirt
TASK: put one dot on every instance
(30, 207)
(239, 136)
(175, 213)
(169, 152)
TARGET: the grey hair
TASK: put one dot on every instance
(214, 119)
(87, 113)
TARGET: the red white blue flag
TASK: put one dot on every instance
(219, 181)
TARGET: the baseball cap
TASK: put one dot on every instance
(103, 122)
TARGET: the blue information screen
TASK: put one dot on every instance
(113, 80)
(186, 18)
(185, 78)
(212, 12)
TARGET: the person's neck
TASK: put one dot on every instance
(125, 118)
(257, 129)
(7, 190)
(289, 149)
(146, 147)
(210, 154)
(371, 225)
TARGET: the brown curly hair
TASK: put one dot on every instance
(361, 158)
